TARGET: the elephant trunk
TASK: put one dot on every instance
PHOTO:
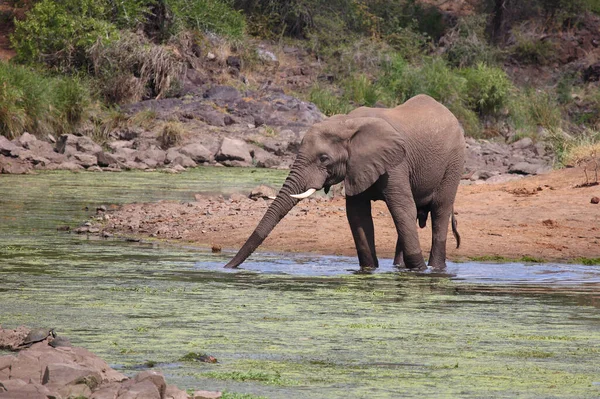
(280, 206)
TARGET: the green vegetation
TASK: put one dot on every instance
(376, 53)
(38, 103)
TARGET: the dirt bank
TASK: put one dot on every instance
(546, 217)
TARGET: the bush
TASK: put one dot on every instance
(466, 44)
(33, 102)
(530, 47)
(543, 110)
(329, 102)
(488, 89)
(217, 16)
(60, 34)
(132, 68)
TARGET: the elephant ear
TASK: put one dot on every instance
(374, 148)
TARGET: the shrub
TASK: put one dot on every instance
(171, 135)
(33, 102)
(217, 16)
(361, 91)
(572, 150)
(488, 89)
(328, 102)
(132, 68)
(543, 110)
(60, 34)
(530, 47)
(466, 44)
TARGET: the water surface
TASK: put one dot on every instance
(288, 326)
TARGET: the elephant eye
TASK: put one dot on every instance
(324, 158)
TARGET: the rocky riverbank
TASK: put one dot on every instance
(223, 126)
(53, 369)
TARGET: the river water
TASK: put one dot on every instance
(287, 326)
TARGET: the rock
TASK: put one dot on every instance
(233, 150)
(234, 62)
(7, 146)
(13, 166)
(11, 339)
(226, 93)
(155, 377)
(183, 161)
(172, 392)
(262, 158)
(152, 157)
(592, 73)
(68, 143)
(525, 142)
(503, 178)
(595, 200)
(26, 139)
(266, 55)
(125, 154)
(115, 145)
(526, 168)
(85, 160)
(262, 191)
(105, 159)
(213, 118)
(207, 395)
(139, 390)
(197, 152)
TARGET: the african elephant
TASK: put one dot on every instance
(410, 156)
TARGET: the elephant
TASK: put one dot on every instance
(410, 156)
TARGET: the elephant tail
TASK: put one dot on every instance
(455, 230)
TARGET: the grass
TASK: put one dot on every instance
(588, 261)
(40, 104)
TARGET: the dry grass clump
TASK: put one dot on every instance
(171, 135)
(132, 68)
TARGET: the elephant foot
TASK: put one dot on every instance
(438, 266)
(415, 262)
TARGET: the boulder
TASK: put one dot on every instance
(13, 166)
(87, 145)
(62, 374)
(262, 158)
(197, 152)
(26, 139)
(527, 168)
(525, 142)
(212, 118)
(225, 93)
(153, 157)
(125, 154)
(115, 145)
(69, 143)
(184, 161)
(85, 160)
(172, 392)
(233, 150)
(7, 146)
(207, 395)
(106, 159)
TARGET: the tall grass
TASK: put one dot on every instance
(33, 102)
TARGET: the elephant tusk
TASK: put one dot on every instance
(271, 197)
(306, 194)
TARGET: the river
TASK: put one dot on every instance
(287, 326)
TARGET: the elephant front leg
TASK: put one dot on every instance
(358, 210)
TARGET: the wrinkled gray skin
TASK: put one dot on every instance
(411, 157)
